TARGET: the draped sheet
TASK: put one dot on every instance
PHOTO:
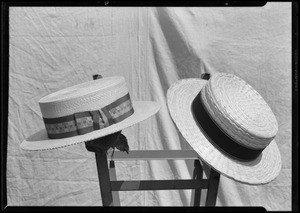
(55, 47)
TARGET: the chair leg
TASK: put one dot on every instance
(197, 174)
(103, 175)
(113, 177)
(212, 191)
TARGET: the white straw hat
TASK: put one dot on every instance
(229, 125)
(87, 111)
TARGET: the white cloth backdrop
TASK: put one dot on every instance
(55, 47)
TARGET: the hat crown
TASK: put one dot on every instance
(87, 96)
(239, 110)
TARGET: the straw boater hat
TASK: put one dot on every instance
(87, 111)
(229, 125)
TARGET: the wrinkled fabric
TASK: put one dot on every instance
(55, 47)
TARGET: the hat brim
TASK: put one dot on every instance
(40, 140)
(263, 169)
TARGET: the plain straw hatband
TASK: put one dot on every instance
(218, 137)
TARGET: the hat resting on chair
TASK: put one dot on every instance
(229, 125)
(87, 111)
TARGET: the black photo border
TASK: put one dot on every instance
(5, 5)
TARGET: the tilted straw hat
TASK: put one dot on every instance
(87, 111)
(229, 125)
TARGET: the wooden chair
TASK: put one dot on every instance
(109, 185)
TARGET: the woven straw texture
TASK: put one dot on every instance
(88, 96)
(259, 171)
(239, 110)
(91, 95)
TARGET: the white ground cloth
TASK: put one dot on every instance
(51, 48)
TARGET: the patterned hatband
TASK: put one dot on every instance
(84, 122)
